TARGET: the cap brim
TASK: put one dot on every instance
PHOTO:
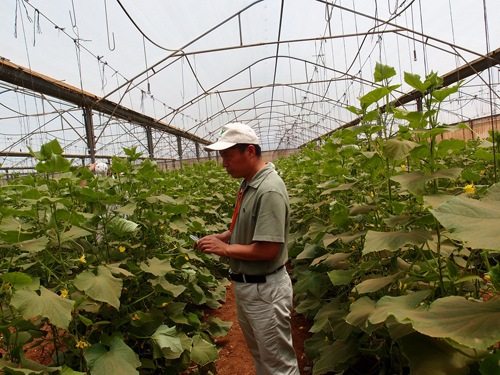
(218, 146)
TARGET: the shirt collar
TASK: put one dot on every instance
(259, 177)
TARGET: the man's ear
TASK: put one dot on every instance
(251, 150)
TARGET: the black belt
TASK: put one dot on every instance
(242, 278)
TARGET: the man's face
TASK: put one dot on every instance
(235, 162)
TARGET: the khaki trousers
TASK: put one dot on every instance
(264, 311)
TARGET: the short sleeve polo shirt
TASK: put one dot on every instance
(264, 215)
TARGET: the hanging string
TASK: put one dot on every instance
(36, 26)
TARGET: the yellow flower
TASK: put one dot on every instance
(164, 304)
(82, 259)
(135, 317)
(469, 189)
(403, 167)
(371, 194)
(186, 257)
(162, 227)
(6, 286)
(82, 344)
(122, 249)
(482, 172)
(64, 293)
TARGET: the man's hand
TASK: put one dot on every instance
(212, 245)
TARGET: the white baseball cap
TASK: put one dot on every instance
(232, 134)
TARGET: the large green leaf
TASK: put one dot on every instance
(321, 317)
(359, 312)
(18, 280)
(372, 285)
(175, 289)
(74, 233)
(431, 356)
(398, 149)
(471, 221)
(383, 72)
(119, 359)
(121, 227)
(47, 304)
(387, 306)
(341, 277)
(167, 339)
(217, 327)
(415, 182)
(156, 266)
(473, 324)
(333, 355)
(203, 352)
(103, 287)
(378, 241)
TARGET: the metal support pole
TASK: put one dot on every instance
(197, 151)
(179, 150)
(89, 128)
(151, 149)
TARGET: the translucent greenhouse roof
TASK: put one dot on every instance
(288, 68)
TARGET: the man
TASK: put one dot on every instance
(256, 245)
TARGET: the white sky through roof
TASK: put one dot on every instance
(200, 79)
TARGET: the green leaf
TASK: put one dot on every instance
(175, 289)
(156, 267)
(471, 221)
(378, 241)
(372, 285)
(167, 340)
(103, 287)
(387, 306)
(341, 277)
(396, 149)
(74, 233)
(54, 164)
(35, 245)
(47, 304)
(119, 359)
(490, 365)
(431, 356)
(414, 81)
(442, 94)
(203, 352)
(335, 354)
(383, 72)
(121, 227)
(217, 327)
(473, 324)
(18, 280)
(359, 312)
(127, 210)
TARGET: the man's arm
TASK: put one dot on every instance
(253, 252)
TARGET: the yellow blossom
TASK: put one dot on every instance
(82, 259)
(122, 249)
(164, 304)
(403, 167)
(371, 194)
(482, 172)
(82, 344)
(487, 277)
(162, 227)
(135, 317)
(64, 293)
(6, 286)
(186, 257)
(469, 189)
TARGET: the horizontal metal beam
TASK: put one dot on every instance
(11, 154)
(20, 76)
(467, 70)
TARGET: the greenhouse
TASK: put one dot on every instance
(381, 118)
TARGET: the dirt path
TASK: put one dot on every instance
(234, 355)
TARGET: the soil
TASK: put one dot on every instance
(234, 355)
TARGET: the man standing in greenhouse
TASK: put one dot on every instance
(256, 245)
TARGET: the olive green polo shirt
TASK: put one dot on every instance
(264, 215)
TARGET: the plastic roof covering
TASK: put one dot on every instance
(287, 68)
